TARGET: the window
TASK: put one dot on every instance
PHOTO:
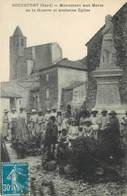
(20, 102)
(33, 98)
(37, 98)
(47, 93)
(47, 77)
(22, 42)
(30, 65)
(103, 59)
(17, 43)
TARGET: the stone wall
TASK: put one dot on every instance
(93, 57)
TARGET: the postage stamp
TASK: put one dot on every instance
(15, 179)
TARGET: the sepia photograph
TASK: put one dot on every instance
(63, 97)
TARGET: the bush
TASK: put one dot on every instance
(83, 156)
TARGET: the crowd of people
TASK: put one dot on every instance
(60, 128)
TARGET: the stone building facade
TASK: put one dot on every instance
(94, 51)
(60, 75)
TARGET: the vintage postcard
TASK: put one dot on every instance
(63, 97)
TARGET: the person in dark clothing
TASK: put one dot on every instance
(51, 135)
(124, 129)
(4, 153)
(103, 123)
(110, 144)
(13, 123)
(114, 134)
(68, 111)
(62, 150)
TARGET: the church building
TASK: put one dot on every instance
(41, 78)
(38, 74)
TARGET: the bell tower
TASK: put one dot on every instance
(17, 45)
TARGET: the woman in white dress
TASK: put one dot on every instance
(5, 124)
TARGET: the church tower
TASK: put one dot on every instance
(17, 45)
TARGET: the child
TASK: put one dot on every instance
(80, 131)
(63, 138)
(62, 149)
(88, 129)
(73, 130)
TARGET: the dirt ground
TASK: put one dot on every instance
(66, 187)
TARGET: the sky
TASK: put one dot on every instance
(70, 30)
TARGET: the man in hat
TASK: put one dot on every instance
(22, 131)
(114, 134)
(40, 129)
(51, 136)
(88, 129)
(73, 129)
(63, 149)
(54, 112)
(94, 119)
(63, 138)
(68, 111)
(47, 115)
(103, 122)
(33, 120)
(28, 114)
(124, 128)
(59, 119)
(28, 122)
(13, 123)
(40, 121)
(4, 153)
(84, 115)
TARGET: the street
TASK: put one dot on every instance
(63, 186)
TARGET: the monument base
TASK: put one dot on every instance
(108, 95)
